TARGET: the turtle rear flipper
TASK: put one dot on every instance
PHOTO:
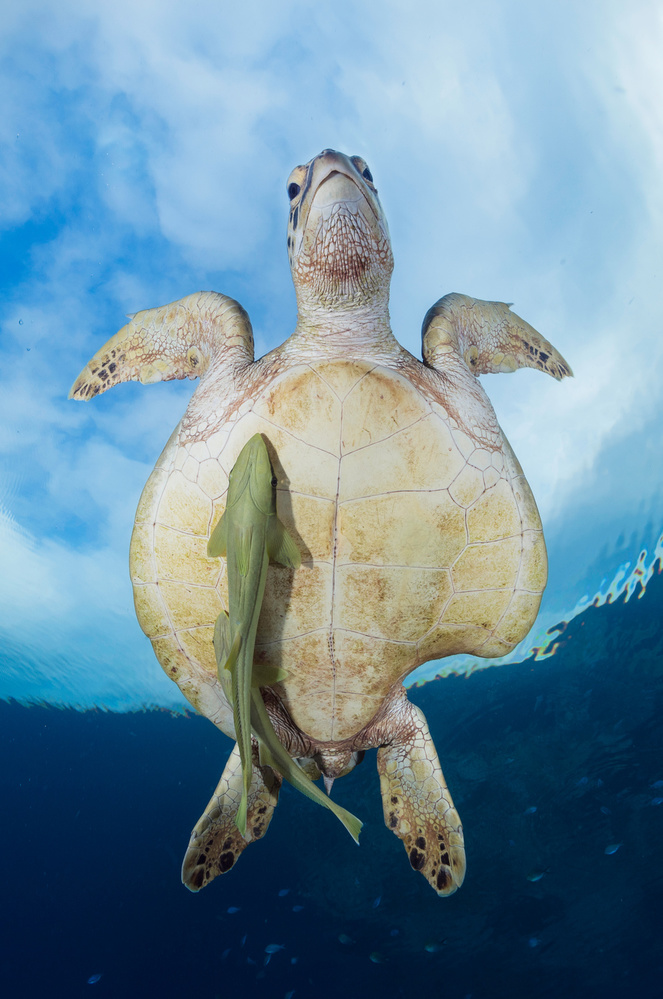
(416, 801)
(216, 842)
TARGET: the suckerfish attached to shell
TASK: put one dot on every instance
(248, 535)
(418, 534)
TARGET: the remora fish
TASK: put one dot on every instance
(248, 535)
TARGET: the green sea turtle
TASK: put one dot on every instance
(418, 533)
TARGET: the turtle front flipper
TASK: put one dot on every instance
(488, 336)
(216, 842)
(181, 340)
(416, 801)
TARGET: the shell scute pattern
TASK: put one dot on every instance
(384, 392)
(393, 588)
(419, 457)
(183, 557)
(360, 662)
(467, 486)
(533, 563)
(184, 506)
(494, 513)
(404, 518)
(441, 574)
(302, 404)
(341, 378)
(151, 610)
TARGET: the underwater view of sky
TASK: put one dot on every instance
(145, 146)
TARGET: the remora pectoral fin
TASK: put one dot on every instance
(217, 546)
(280, 546)
(267, 676)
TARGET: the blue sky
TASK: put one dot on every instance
(145, 147)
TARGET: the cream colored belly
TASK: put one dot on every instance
(415, 545)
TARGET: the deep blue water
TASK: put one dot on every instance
(549, 763)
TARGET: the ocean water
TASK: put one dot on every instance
(555, 765)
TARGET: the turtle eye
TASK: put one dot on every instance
(274, 480)
(368, 175)
(293, 191)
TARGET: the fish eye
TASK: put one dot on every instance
(368, 175)
(293, 191)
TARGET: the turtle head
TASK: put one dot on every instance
(338, 240)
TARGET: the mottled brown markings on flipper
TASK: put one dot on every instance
(443, 880)
(216, 843)
(417, 859)
(226, 861)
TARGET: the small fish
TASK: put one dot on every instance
(376, 957)
(297, 908)
(243, 940)
(537, 874)
(657, 784)
(433, 946)
(656, 801)
(345, 939)
(530, 810)
(232, 909)
(225, 953)
(612, 848)
(606, 810)
(377, 901)
(274, 948)
(284, 892)
(93, 979)
(582, 781)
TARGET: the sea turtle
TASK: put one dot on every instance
(418, 532)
